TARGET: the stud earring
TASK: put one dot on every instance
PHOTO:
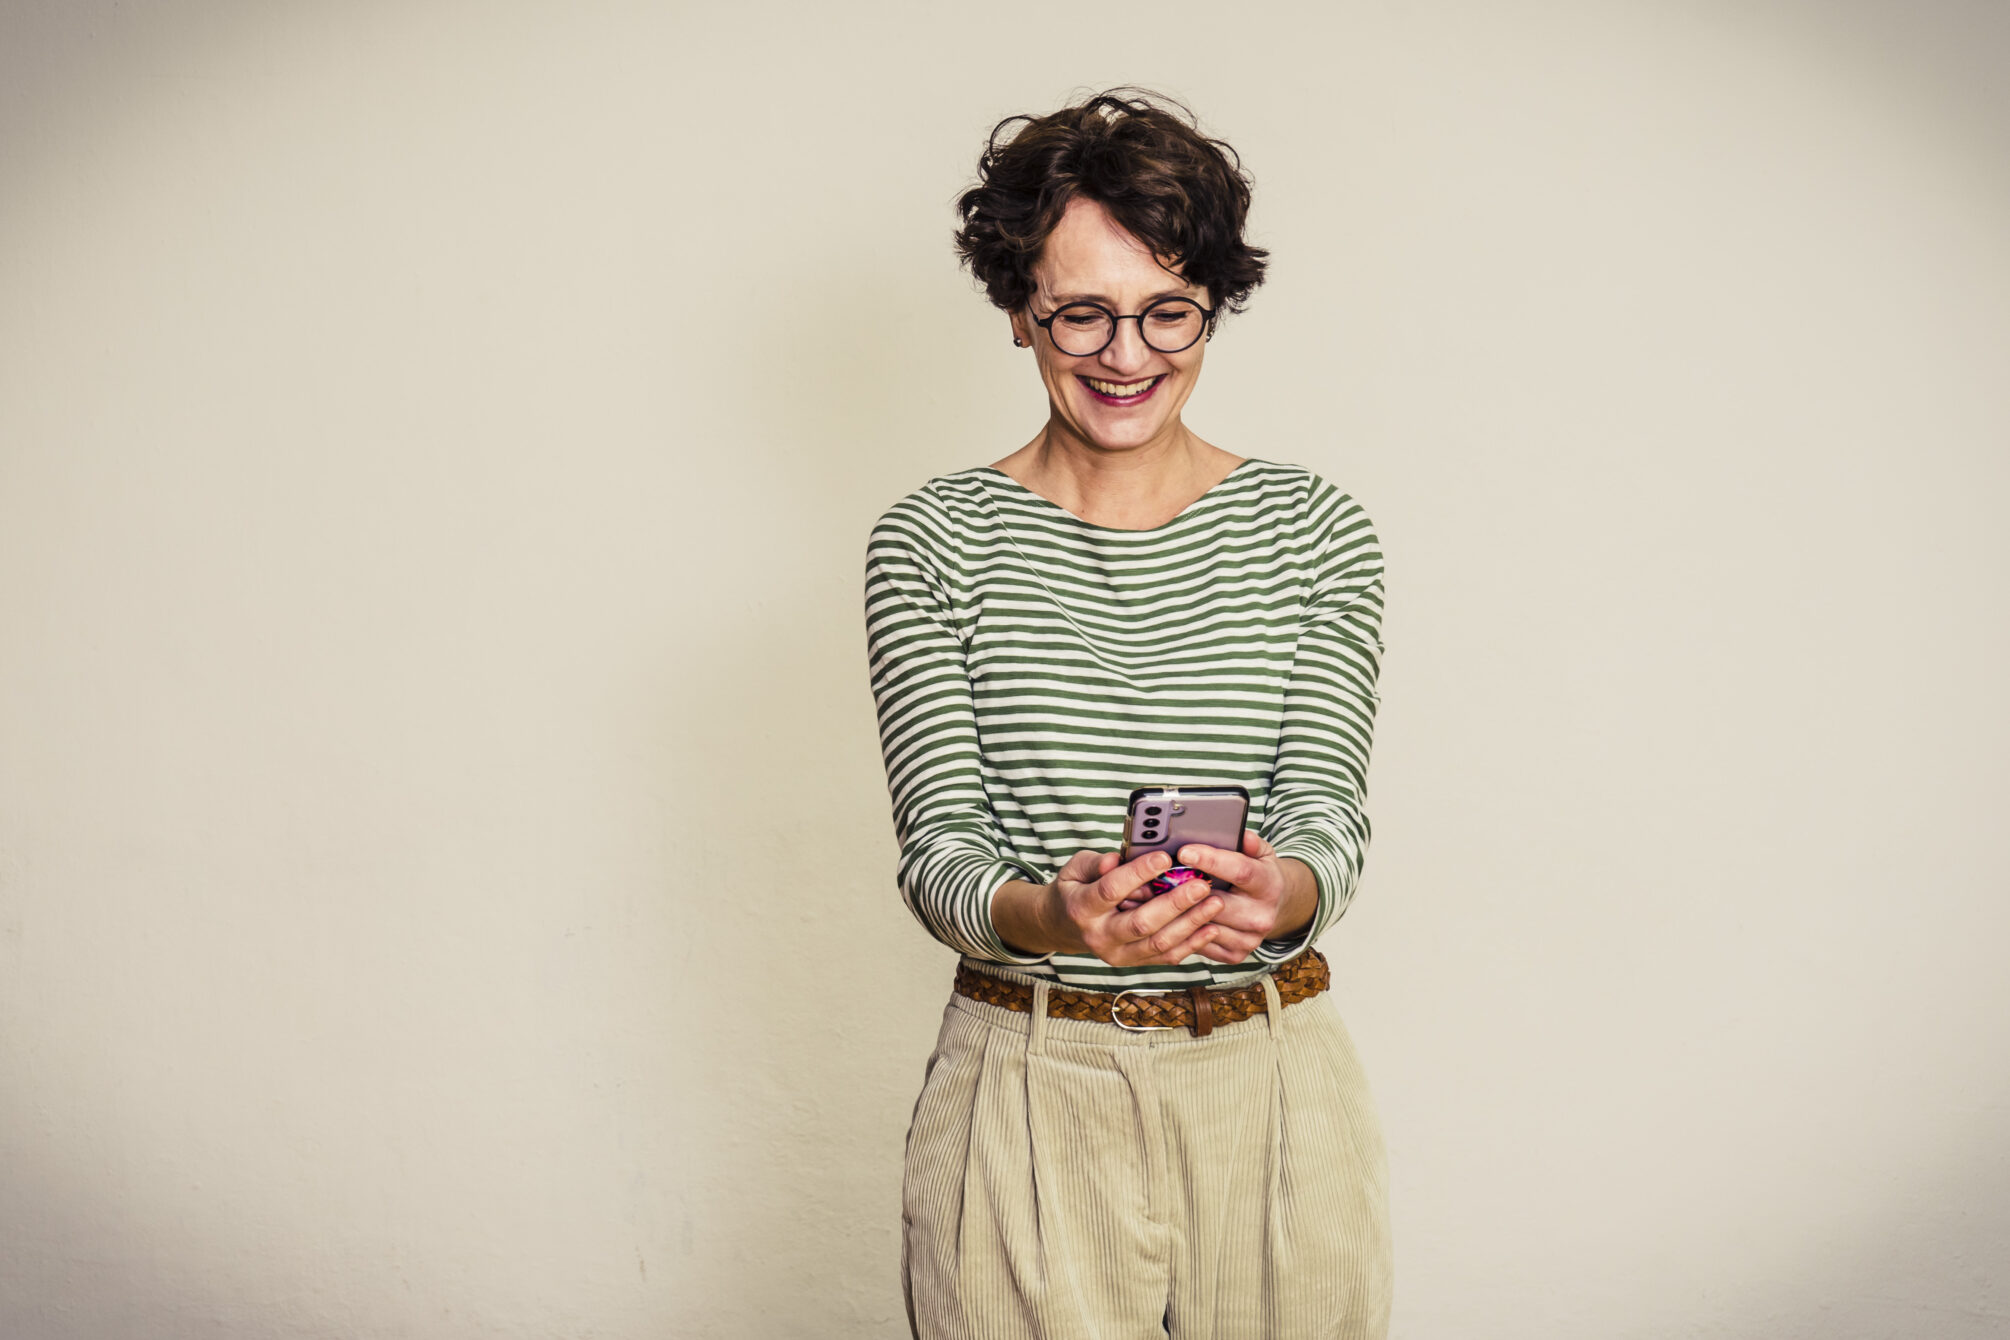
(1018, 343)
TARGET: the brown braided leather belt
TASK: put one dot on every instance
(1196, 1007)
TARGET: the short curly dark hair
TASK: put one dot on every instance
(1139, 154)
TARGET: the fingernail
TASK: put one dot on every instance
(1161, 861)
(1186, 855)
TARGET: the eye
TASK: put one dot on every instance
(1081, 320)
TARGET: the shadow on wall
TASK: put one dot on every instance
(804, 999)
(1867, 1279)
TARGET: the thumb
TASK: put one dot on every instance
(1255, 847)
(1084, 867)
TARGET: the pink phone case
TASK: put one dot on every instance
(1166, 818)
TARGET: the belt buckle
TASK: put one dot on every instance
(1140, 1028)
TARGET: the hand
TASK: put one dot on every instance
(1269, 896)
(1082, 911)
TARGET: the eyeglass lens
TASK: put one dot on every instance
(1083, 328)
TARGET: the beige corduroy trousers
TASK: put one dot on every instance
(1069, 1180)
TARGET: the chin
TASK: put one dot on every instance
(1127, 441)
(1118, 432)
(1121, 436)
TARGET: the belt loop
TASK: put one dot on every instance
(1036, 1035)
(1203, 1011)
(1275, 1005)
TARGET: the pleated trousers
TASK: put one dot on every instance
(1068, 1180)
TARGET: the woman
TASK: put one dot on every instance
(1120, 604)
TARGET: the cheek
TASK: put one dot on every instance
(1183, 376)
(1060, 379)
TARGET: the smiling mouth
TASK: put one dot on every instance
(1121, 393)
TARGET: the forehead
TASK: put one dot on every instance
(1090, 255)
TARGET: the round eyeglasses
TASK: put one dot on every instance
(1169, 325)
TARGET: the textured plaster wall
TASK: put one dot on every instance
(444, 866)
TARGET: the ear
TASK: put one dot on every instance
(1022, 330)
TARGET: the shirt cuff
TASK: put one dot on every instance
(1291, 946)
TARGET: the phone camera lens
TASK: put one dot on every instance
(1151, 809)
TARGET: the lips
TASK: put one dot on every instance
(1121, 393)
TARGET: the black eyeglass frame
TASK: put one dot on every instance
(1206, 317)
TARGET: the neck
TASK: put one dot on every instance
(1137, 488)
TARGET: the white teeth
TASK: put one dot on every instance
(1121, 388)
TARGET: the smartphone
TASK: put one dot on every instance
(1166, 818)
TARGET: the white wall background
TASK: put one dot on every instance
(441, 825)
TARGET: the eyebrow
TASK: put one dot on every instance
(1064, 299)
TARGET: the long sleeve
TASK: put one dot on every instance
(1320, 782)
(952, 849)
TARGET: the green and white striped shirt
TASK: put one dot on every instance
(1031, 669)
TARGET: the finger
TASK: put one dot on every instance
(1107, 862)
(1222, 950)
(1169, 935)
(1229, 945)
(1197, 943)
(1178, 949)
(1154, 914)
(1229, 865)
(1165, 929)
(1254, 846)
(1124, 881)
(1247, 916)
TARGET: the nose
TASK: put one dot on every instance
(1127, 351)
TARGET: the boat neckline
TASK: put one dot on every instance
(1183, 512)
